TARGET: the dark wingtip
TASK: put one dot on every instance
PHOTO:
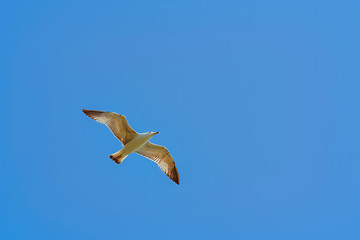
(177, 178)
(90, 113)
(85, 111)
(177, 181)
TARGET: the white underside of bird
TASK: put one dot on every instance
(135, 142)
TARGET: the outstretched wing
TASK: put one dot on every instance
(162, 157)
(115, 122)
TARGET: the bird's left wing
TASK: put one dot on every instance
(162, 157)
(115, 122)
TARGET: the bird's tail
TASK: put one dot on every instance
(118, 157)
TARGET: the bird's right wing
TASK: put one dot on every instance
(162, 157)
(115, 122)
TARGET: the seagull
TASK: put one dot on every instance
(135, 142)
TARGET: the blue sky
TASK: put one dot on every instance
(257, 101)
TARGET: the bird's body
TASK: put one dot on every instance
(135, 142)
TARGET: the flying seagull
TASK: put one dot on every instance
(135, 142)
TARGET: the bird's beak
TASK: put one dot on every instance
(156, 133)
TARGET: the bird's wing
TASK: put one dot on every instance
(162, 157)
(115, 122)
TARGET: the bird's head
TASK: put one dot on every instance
(153, 133)
(149, 134)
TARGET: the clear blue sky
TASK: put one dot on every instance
(257, 101)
